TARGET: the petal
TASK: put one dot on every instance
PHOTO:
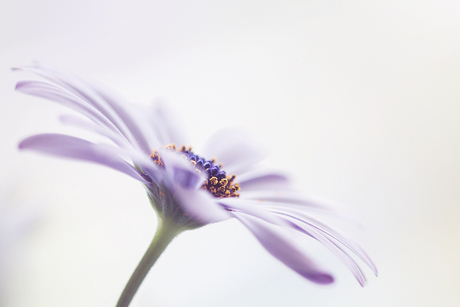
(183, 183)
(137, 130)
(146, 125)
(335, 248)
(101, 101)
(286, 197)
(75, 148)
(334, 235)
(59, 95)
(234, 204)
(277, 242)
(75, 87)
(292, 221)
(167, 125)
(262, 180)
(76, 121)
(125, 148)
(181, 171)
(201, 205)
(234, 149)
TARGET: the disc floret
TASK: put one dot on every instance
(218, 183)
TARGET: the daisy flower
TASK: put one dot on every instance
(189, 189)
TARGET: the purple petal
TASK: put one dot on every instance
(201, 205)
(76, 121)
(277, 242)
(59, 95)
(286, 197)
(234, 149)
(101, 101)
(331, 233)
(75, 148)
(125, 148)
(262, 180)
(287, 220)
(248, 207)
(181, 171)
(331, 245)
(135, 127)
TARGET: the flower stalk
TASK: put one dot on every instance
(167, 230)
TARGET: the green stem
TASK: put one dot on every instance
(164, 235)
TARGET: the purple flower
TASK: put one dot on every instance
(188, 189)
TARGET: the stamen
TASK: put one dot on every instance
(218, 183)
(155, 156)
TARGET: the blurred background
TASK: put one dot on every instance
(359, 100)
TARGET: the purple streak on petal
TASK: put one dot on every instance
(248, 207)
(342, 254)
(296, 200)
(328, 231)
(333, 234)
(74, 86)
(262, 180)
(288, 197)
(293, 221)
(234, 149)
(75, 148)
(76, 121)
(302, 209)
(106, 105)
(50, 91)
(277, 242)
(56, 94)
(125, 149)
(201, 205)
(116, 103)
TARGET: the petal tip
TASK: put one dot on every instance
(321, 278)
(23, 144)
(18, 86)
(27, 143)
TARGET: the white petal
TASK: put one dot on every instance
(263, 179)
(167, 125)
(234, 149)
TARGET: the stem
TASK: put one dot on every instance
(164, 235)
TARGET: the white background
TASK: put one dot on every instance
(359, 100)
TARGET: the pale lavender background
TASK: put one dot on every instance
(359, 99)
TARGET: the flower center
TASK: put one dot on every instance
(218, 183)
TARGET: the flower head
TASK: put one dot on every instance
(190, 189)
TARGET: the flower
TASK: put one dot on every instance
(189, 190)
